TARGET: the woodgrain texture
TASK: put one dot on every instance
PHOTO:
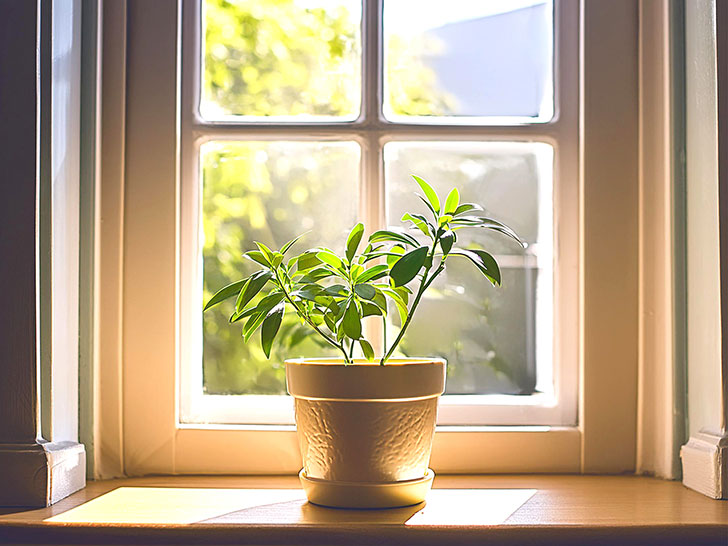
(461, 510)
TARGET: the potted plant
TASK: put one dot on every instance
(365, 425)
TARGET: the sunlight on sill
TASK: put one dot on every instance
(187, 506)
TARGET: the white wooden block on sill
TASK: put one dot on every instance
(40, 474)
(705, 464)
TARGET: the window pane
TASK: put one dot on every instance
(476, 58)
(496, 339)
(297, 59)
(268, 192)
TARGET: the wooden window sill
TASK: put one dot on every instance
(533, 509)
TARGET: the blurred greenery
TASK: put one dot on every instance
(411, 88)
(294, 58)
(268, 192)
(281, 58)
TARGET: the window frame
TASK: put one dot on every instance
(152, 441)
(372, 132)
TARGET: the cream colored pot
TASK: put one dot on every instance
(365, 430)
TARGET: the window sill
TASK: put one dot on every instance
(462, 510)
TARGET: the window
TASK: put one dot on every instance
(577, 146)
(292, 119)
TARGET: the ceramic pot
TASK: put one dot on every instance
(365, 430)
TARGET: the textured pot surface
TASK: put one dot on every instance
(365, 422)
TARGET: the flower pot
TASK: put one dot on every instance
(365, 430)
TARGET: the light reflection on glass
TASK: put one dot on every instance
(468, 59)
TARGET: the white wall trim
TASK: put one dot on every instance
(657, 433)
(705, 464)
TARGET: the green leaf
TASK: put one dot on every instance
(366, 348)
(330, 320)
(269, 254)
(365, 291)
(452, 201)
(419, 221)
(373, 273)
(394, 255)
(307, 260)
(446, 241)
(393, 236)
(316, 275)
(254, 285)
(487, 223)
(258, 257)
(483, 261)
(369, 309)
(235, 317)
(427, 203)
(308, 292)
(401, 306)
(290, 243)
(261, 311)
(336, 290)
(352, 242)
(330, 258)
(494, 225)
(270, 327)
(469, 220)
(429, 193)
(408, 266)
(395, 296)
(403, 293)
(466, 207)
(380, 301)
(227, 292)
(444, 219)
(352, 321)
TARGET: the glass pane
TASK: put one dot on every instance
(495, 339)
(474, 58)
(297, 59)
(268, 192)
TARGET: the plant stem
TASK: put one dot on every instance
(310, 322)
(423, 286)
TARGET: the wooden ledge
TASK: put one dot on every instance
(460, 510)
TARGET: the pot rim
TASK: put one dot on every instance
(331, 379)
(392, 362)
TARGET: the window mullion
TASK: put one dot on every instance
(371, 62)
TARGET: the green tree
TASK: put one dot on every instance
(279, 58)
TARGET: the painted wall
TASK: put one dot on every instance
(703, 269)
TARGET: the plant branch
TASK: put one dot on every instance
(308, 320)
(423, 286)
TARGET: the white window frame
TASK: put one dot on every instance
(150, 438)
(557, 373)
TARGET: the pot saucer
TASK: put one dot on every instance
(366, 494)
